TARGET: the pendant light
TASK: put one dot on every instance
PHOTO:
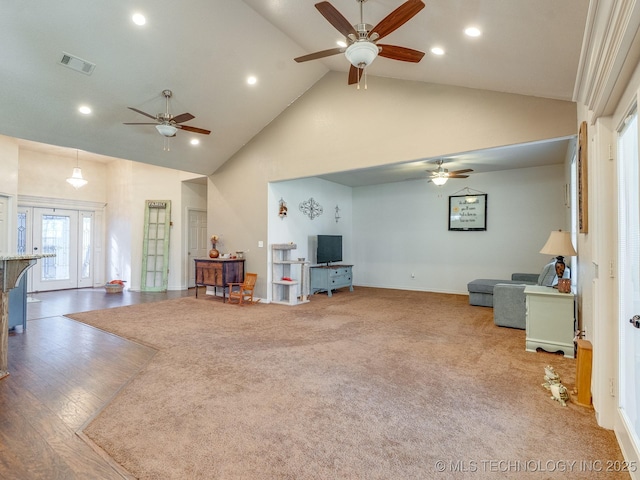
(76, 179)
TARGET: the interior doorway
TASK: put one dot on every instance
(197, 241)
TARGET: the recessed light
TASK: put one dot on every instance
(252, 80)
(195, 141)
(472, 32)
(84, 110)
(341, 43)
(437, 51)
(138, 19)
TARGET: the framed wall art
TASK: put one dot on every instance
(468, 212)
(583, 197)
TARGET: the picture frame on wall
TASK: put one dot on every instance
(468, 213)
(583, 197)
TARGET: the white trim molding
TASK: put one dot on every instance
(610, 53)
(48, 202)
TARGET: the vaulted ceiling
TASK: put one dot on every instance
(205, 50)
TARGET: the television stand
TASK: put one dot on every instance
(325, 278)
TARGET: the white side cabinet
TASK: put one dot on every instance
(290, 286)
(550, 320)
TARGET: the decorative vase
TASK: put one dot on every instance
(564, 285)
(213, 253)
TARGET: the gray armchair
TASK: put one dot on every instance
(509, 300)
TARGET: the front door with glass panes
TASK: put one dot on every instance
(66, 233)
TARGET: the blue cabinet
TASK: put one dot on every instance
(332, 277)
(18, 304)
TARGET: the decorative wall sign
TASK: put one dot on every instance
(311, 208)
(583, 197)
(468, 212)
(337, 215)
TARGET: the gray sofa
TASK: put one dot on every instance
(509, 306)
(481, 291)
(507, 296)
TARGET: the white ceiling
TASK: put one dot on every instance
(203, 50)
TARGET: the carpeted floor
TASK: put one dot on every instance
(374, 384)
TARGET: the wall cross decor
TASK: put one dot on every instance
(311, 208)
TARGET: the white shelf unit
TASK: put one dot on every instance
(288, 292)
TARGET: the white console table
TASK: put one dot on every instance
(550, 320)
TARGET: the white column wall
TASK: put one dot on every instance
(334, 128)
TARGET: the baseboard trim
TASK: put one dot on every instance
(630, 449)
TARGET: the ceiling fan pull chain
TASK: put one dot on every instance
(364, 70)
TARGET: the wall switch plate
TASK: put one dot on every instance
(260, 244)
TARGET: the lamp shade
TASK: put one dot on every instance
(76, 178)
(559, 244)
(361, 54)
(166, 130)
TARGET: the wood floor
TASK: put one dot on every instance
(62, 372)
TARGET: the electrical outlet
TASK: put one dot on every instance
(260, 244)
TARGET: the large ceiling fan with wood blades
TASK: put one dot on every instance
(440, 175)
(166, 123)
(362, 47)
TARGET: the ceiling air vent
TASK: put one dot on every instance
(77, 63)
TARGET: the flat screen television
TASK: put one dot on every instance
(329, 249)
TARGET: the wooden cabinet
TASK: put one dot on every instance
(328, 278)
(550, 320)
(218, 272)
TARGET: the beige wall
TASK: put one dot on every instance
(9, 189)
(130, 185)
(8, 165)
(45, 175)
(335, 128)
(121, 185)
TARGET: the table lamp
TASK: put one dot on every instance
(559, 245)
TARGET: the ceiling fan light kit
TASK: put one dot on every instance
(167, 124)
(440, 175)
(361, 54)
(166, 130)
(362, 38)
(440, 180)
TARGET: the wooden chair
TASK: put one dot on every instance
(242, 293)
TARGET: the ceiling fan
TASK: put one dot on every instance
(440, 175)
(362, 47)
(167, 124)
